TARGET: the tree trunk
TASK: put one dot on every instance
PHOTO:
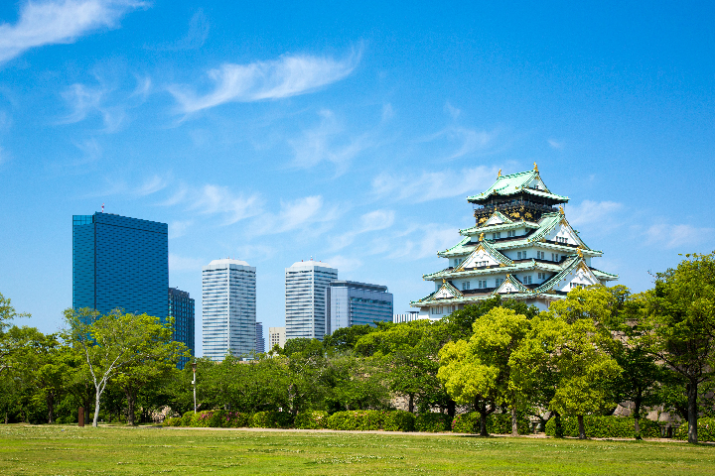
(96, 409)
(411, 405)
(692, 412)
(50, 410)
(482, 409)
(130, 408)
(514, 422)
(559, 429)
(451, 409)
(581, 428)
(636, 417)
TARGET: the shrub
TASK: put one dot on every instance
(271, 420)
(605, 427)
(356, 420)
(172, 422)
(706, 430)
(236, 420)
(433, 422)
(187, 418)
(311, 420)
(398, 420)
(497, 423)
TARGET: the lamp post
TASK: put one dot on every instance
(193, 367)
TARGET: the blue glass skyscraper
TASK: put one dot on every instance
(120, 262)
(348, 303)
(182, 309)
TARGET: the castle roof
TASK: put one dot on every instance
(528, 182)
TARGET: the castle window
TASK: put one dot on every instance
(481, 264)
(527, 279)
(498, 282)
(465, 285)
(511, 233)
(496, 235)
(521, 255)
(540, 255)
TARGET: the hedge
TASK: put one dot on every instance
(311, 420)
(398, 420)
(356, 420)
(433, 422)
(271, 420)
(605, 427)
(706, 430)
(211, 419)
(497, 423)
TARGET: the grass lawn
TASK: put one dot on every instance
(66, 450)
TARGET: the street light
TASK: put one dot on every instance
(193, 367)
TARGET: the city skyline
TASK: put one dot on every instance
(350, 133)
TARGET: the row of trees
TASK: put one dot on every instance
(588, 352)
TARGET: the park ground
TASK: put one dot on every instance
(69, 450)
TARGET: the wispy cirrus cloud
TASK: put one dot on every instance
(422, 241)
(327, 143)
(302, 213)
(372, 221)
(195, 38)
(678, 236)
(59, 21)
(590, 212)
(290, 75)
(216, 200)
(434, 185)
(182, 263)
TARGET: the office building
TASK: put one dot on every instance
(349, 303)
(276, 335)
(120, 263)
(260, 341)
(306, 282)
(228, 308)
(182, 309)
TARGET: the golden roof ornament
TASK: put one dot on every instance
(580, 253)
(499, 174)
(536, 167)
(481, 237)
(443, 281)
(561, 210)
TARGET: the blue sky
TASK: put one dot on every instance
(273, 132)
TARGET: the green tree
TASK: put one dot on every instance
(109, 343)
(155, 356)
(7, 314)
(681, 320)
(478, 371)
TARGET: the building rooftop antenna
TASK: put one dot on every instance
(103, 208)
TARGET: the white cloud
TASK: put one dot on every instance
(323, 143)
(179, 228)
(297, 214)
(373, 221)
(181, 263)
(467, 140)
(555, 144)
(434, 185)
(285, 77)
(59, 21)
(589, 212)
(451, 110)
(215, 200)
(85, 100)
(344, 264)
(677, 236)
(151, 185)
(387, 112)
(424, 241)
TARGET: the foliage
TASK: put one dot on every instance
(398, 420)
(312, 419)
(344, 339)
(681, 320)
(356, 420)
(271, 419)
(706, 430)
(433, 422)
(605, 427)
(304, 346)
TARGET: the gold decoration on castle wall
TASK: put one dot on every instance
(536, 167)
(443, 281)
(482, 220)
(528, 215)
(481, 237)
(580, 253)
(561, 210)
(516, 215)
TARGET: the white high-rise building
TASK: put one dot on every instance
(276, 335)
(229, 308)
(306, 282)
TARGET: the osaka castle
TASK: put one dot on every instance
(521, 247)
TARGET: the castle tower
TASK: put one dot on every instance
(521, 247)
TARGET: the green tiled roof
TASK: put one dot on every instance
(501, 227)
(603, 275)
(512, 184)
(515, 268)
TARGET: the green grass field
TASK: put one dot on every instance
(68, 450)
